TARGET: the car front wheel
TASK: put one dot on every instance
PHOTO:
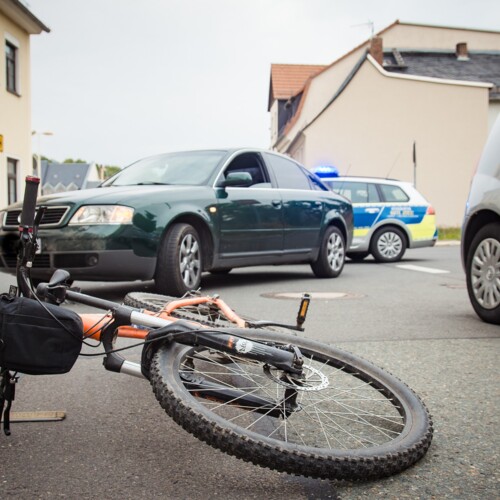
(388, 245)
(331, 257)
(483, 273)
(179, 265)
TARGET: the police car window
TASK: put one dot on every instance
(393, 194)
(373, 196)
(288, 174)
(357, 192)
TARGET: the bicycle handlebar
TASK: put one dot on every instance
(29, 203)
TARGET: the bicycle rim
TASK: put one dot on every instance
(350, 419)
(201, 313)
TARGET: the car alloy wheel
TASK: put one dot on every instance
(335, 252)
(189, 260)
(389, 245)
(485, 273)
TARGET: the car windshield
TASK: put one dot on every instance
(192, 168)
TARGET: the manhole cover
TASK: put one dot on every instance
(313, 295)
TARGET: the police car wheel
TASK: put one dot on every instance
(331, 257)
(388, 245)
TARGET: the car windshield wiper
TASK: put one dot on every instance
(151, 183)
(140, 184)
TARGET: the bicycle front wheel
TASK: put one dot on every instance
(348, 419)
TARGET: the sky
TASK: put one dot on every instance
(117, 80)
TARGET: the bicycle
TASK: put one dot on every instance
(253, 389)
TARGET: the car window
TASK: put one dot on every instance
(186, 168)
(357, 192)
(252, 164)
(288, 174)
(393, 194)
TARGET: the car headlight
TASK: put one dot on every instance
(102, 214)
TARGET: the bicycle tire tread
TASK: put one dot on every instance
(293, 462)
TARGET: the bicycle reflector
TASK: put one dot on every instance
(304, 306)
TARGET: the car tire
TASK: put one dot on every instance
(331, 257)
(179, 264)
(388, 245)
(483, 273)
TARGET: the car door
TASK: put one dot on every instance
(250, 214)
(367, 206)
(302, 205)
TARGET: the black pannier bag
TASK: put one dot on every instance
(38, 339)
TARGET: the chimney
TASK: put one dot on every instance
(461, 52)
(376, 49)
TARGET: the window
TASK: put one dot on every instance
(357, 192)
(11, 180)
(393, 194)
(249, 163)
(288, 174)
(11, 67)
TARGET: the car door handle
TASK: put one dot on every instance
(276, 203)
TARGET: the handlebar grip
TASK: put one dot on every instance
(29, 203)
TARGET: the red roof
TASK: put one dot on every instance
(288, 80)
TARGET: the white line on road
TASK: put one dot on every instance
(422, 269)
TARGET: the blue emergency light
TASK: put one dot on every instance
(326, 171)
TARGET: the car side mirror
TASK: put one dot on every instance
(237, 179)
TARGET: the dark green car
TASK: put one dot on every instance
(173, 216)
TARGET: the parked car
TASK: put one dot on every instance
(480, 243)
(389, 216)
(172, 216)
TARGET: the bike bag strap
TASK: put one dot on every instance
(7, 394)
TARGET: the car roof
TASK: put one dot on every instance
(367, 179)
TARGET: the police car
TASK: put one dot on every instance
(389, 215)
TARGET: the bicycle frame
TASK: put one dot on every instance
(126, 322)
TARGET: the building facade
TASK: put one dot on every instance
(17, 24)
(414, 103)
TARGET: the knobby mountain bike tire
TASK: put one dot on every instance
(351, 420)
(204, 314)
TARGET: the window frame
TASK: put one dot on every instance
(12, 180)
(12, 79)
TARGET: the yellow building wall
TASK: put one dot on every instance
(15, 110)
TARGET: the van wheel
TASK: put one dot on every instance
(388, 245)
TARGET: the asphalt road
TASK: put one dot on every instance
(417, 322)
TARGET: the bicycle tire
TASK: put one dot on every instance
(200, 313)
(309, 442)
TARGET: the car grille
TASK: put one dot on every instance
(53, 216)
(41, 261)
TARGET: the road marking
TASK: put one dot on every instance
(422, 269)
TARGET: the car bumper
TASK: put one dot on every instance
(97, 253)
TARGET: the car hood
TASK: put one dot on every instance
(124, 195)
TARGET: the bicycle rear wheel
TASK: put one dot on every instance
(348, 420)
(206, 314)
